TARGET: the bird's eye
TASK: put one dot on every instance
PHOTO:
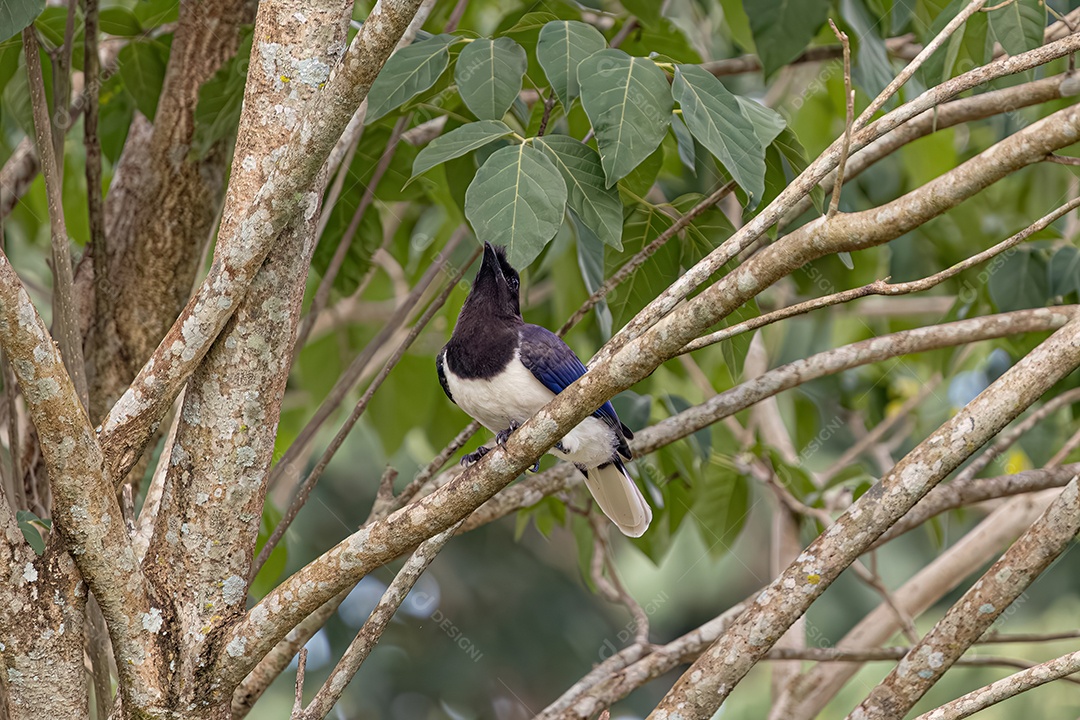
(513, 282)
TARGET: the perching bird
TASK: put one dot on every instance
(501, 370)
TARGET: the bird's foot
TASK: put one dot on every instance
(503, 435)
(470, 458)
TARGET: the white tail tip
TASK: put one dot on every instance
(619, 498)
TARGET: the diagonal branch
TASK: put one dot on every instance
(373, 628)
(247, 235)
(815, 173)
(961, 493)
(927, 661)
(976, 700)
(67, 326)
(85, 510)
(701, 690)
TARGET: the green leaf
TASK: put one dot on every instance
(532, 21)
(17, 14)
(738, 24)
(119, 21)
(457, 142)
(646, 11)
(716, 119)
(142, 68)
(488, 74)
(639, 180)
(871, 69)
(116, 108)
(517, 199)
(27, 520)
(783, 28)
(220, 99)
(641, 228)
(1020, 282)
(271, 570)
(1019, 25)
(561, 48)
(590, 254)
(365, 242)
(10, 52)
(629, 105)
(768, 124)
(409, 72)
(152, 13)
(787, 144)
(1063, 271)
(598, 206)
(966, 48)
(721, 506)
(685, 142)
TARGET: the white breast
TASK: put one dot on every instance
(514, 396)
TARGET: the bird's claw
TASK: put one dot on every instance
(503, 435)
(470, 458)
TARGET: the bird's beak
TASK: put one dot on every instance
(490, 262)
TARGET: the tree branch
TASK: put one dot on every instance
(960, 493)
(701, 690)
(85, 510)
(927, 661)
(882, 287)
(215, 482)
(815, 173)
(996, 692)
(247, 233)
(67, 327)
(373, 628)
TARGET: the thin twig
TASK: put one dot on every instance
(64, 317)
(308, 485)
(436, 464)
(62, 83)
(903, 47)
(339, 181)
(356, 368)
(384, 497)
(326, 284)
(455, 16)
(628, 27)
(95, 206)
(1009, 436)
(1063, 452)
(910, 69)
(298, 697)
(879, 430)
(644, 254)
(882, 287)
(609, 585)
(14, 446)
(369, 634)
(1062, 159)
(849, 95)
(549, 103)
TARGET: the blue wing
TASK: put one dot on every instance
(553, 363)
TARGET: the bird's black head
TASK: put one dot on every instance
(496, 289)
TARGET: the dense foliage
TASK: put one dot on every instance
(576, 135)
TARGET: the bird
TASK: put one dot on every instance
(501, 370)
